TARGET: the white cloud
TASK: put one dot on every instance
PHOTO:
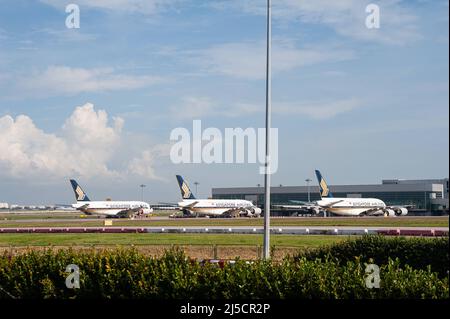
(64, 35)
(318, 110)
(247, 59)
(200, 107)
(65, 80)
(86, 145)
(3, 34)
(144, 164)
(346, 17)
(25, 148)
(148, 7)
(88, 134)
(192, 107)
(196, 107)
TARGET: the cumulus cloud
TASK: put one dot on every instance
(85, 147)
(26, 149)
(70, 81)
(247, 59)
(144, 164)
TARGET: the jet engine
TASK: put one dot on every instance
(257, 211)
(389, 213)
(253, 212)
(401, 211)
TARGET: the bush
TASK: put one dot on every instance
(418, 253)
(130, 274)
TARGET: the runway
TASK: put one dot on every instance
(290, 230)
(207, 220)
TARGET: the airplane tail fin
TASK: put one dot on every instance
(80, 195)
(324, 190)
(184, 187)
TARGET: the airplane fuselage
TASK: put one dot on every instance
(111, 208)
(216, 206)
(351, 206)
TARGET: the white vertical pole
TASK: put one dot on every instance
(268, 125)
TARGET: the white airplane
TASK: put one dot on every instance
(108, 208)
(354, 206)
(349, 206)
(304, 207)
(214, 207)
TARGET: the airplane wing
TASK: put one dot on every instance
(332, 203)
(311, 209)
(299, 202)
(82, 208)
(191, 205)
(234, 211)
(401, 206)
(374, 212)
(294, 206)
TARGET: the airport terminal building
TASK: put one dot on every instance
(426, 195)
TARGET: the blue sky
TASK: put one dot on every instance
(98, 103)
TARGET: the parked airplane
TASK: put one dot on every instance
(354, 206)
(301, 207)
(214, 207)
(349, 206)
(108, 208)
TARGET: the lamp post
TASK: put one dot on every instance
(307, 184)
(268, 124)
(142, 191)
(196, 186)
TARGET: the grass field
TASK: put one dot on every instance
(162, 239)
(226, 246)
(290, 221)
(14, 215)
(40, 215)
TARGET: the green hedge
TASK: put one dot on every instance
(130, 274)
(417, 252)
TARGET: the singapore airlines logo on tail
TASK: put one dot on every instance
(186, 191)
(325, 190)
(80, 193)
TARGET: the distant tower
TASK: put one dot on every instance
(196, 188)
(142, 191)
(307, 183)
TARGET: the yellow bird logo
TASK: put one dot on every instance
(186, 191)
(80, 193)
(324, 187)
